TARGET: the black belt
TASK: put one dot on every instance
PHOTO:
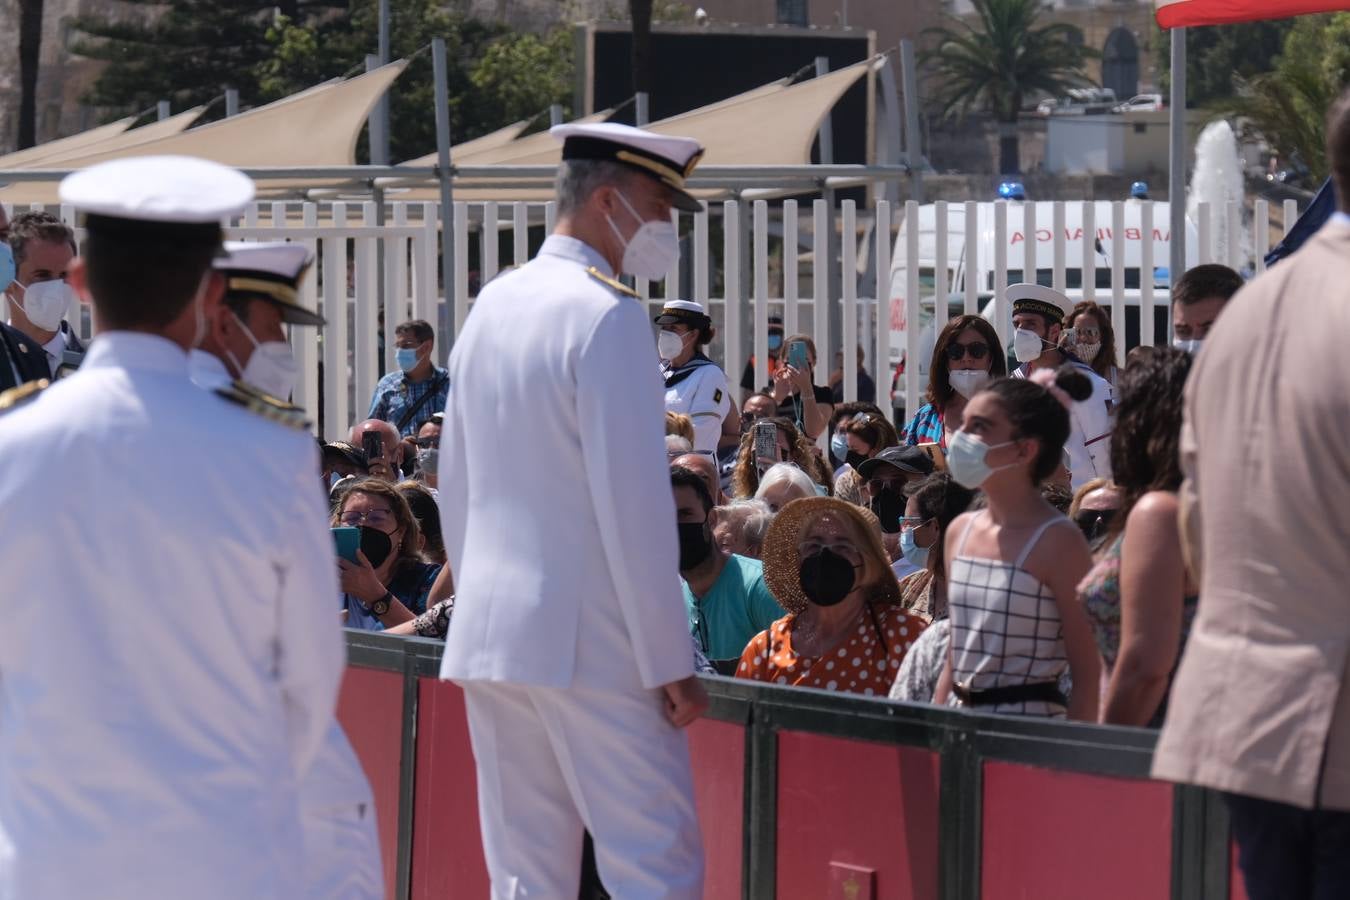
(1045, 691)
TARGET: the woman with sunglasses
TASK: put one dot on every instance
(967, 356)
(390, 581)
(1089, 336)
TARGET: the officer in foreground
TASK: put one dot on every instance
(247, 357)
(151, 745)
(569, 634)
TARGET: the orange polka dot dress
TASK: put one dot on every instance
(858, 664)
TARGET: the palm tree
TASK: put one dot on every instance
(999, 58)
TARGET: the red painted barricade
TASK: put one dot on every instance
(370, 708)
(717, 751)
(1064, 834)
(856, 811)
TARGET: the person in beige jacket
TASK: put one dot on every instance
(1259, 708)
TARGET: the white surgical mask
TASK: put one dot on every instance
(1027, 345)
(966, 460)
(967, 382)
(654, 248)
(46, 303)
(1191, 346)
(1088, 352)
(669, 345)
(427, 460)
(271, 368)
(914, 554)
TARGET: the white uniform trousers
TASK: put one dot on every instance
(342, 854)
(553, 762)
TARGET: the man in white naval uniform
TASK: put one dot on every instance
(695, 385)
(1038, 317)
(151, 745)
(246, 350)
(569, 634)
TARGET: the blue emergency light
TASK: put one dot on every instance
(1012, 190)
(1139, 190)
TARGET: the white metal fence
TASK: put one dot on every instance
(819, 269)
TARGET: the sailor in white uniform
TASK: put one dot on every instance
(246, 351)
(152, 741)
(569, 634)
(695, 385)
(1038, 317)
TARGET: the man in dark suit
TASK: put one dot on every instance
(20, 359)
(39, 298)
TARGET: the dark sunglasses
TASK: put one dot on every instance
(1094, 522)
(978, 350)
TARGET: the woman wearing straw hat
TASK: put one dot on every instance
(845, 629)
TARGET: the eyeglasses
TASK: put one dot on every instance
(809, 548)
(1094, 522)
(957, 352)
(909, 523)
(377, 518)
(428, 441)
(877, 485)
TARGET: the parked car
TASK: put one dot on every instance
(1141, 103)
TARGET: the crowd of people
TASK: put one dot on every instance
(1028, 542)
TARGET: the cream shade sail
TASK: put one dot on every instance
(318, 127)
(134, 137)
(75, 143)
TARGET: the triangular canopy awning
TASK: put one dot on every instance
(317, 127)
(75, 143)
(175, 124)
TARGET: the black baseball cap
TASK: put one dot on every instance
(906, 459)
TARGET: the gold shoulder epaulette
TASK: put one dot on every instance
(613, 283)
(17, 396)
(265, 405)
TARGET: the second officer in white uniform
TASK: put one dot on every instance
(695, 385)
(153, 744)
(246, 355)
(569, 634)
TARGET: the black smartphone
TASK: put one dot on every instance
(373, 445)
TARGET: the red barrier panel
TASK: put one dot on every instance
(1063, 834)
(853, 814)
(370, 708)
(1236, 889)
(717, 750)
(447, 861)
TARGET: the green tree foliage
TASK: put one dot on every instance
(1216, 53)
(186, 52)
(1288, 105)
(191, 50)
(1001, 58)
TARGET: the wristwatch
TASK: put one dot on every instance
(381, 606)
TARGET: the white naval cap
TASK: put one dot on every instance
(271, 270)
(667, 158)
(146, 193)
(1037, 298)
(685, 312)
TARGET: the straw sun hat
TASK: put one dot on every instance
(782, 564)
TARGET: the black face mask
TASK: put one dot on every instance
(695, 544)
(889, 506)
(827, 578)
(376, 545)
(855, 459)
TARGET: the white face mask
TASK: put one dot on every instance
(654, 248)
(669, 345)
(967, 382)
(1027, 345)
(271, 368)
(1191, 346)
(1088, 352)
(199, 311)
(46, 303)
(966, 460)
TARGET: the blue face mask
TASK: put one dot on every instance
(839, 446)
(775, 341)
(406, 357)
(7, 268)
(913, 553)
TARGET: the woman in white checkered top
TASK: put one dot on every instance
(1012, 588)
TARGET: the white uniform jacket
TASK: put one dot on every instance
(555, 496)
(1090, 424)
(698, 389)
(170, 658)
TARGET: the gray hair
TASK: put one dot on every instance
(749, 518)
(677, 444)
(579, 178)
(790, 473)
